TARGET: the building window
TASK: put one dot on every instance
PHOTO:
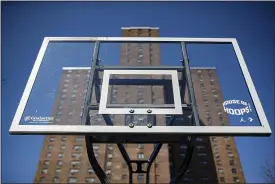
(71, 113)
(52, 139)
(188, 179)
(199, 139)
(231, 162)
(183, 147)
(140, 56)
(220, 170)
(219, 164)
(203, 162)
(140, 146)
(44, 171)
(201, 154)
(230, 154)
(62, 147)
(182, 155)
(140, 178)
(72, 180)
(212, 82)
(74, 163)
(110, 147)
(140, 155)
(236, 179)
(228, 147)
(90, 180)
(110, 156)
(58, 171)
(63, 138)
(234, 171)
(109, 164)
(76, 155)
(50, 148)
(108, 172)
(48, 155)
(141, 101)
(74, 171)
(46, 162)
(91, 171)
(96, 147)
(60, 155)
(77, 148)
(200, 147)
(59, 163)
(55, 179)
(222, 180)
(41, 179)
(226, 138)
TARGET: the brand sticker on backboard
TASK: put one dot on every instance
(38, 119)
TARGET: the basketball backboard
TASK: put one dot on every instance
(118, 87)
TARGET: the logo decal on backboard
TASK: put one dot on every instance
(38, 119)
(244, 107)
(240, 109)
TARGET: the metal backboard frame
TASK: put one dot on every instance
(263, 130)
(175, 86)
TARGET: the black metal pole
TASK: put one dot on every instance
(190, 84)
(90, 84)
(95, 165)
(127, 160)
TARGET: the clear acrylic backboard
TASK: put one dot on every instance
(114, 87)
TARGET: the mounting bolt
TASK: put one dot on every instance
(149, 111)
(149, 125)
(131, 125)
(131, 111)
